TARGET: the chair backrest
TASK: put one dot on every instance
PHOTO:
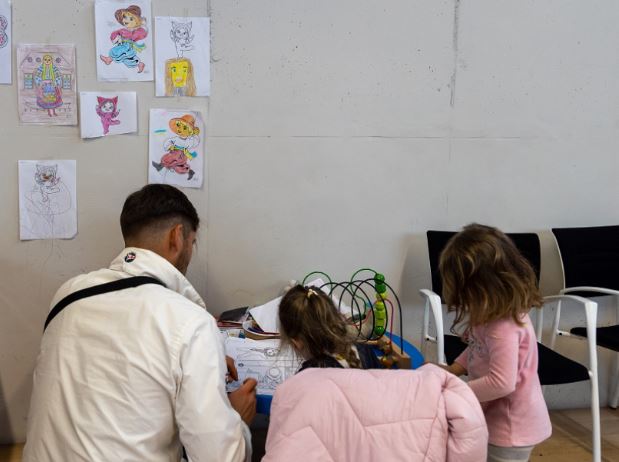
(590, 256)
(527, 244)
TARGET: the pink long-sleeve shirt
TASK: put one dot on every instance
(501, 361)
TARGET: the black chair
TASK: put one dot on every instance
(553, 368)
(590, 258)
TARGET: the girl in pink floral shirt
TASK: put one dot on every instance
(491, 287)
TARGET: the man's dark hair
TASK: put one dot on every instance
(155, 205)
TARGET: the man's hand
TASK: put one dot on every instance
(232, 372)
(243, 400)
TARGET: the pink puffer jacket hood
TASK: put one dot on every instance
(376, 415)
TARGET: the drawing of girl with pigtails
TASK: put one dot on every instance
(126, 41)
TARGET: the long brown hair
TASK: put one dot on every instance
(309, 316)
(486, 278)
(190, 87)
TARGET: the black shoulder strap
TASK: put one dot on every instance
(113, 286)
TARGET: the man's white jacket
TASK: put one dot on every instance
(133, 374)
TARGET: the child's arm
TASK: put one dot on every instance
(503, 341)
(455, 368)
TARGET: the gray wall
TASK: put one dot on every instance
(338, 133)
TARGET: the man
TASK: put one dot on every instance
(132, 374)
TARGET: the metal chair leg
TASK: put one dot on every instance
(614, 379)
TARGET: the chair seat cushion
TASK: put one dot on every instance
(552, 368)
(607, 337)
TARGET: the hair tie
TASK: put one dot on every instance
(310, 292)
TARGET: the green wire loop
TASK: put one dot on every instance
(352, 278)
(316, 272)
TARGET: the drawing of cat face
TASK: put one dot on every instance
(46, 174)
(107, 105)
(180, 31)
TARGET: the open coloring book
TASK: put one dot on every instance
(262, 360)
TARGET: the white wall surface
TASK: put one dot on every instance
(338, 133)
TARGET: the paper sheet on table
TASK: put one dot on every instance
(262, 360)
(266, 315)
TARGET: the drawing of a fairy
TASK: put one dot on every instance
(180, 147)
(126, 41)
(107, 110)
(48, 83)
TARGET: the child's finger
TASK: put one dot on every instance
(232, 368)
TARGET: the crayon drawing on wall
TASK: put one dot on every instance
(107, 113)
(183, 56)
(6, 67)
(124, 40)
(47, 199)
(46, 84)
(176, 148)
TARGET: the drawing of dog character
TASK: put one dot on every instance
(126, 40)
(179, 147)
(108, 111)
(47, 180)
(182, 37)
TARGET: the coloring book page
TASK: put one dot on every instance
(262, 360)
(183, 56)
(176, 148)
(46, 88)
(6, 68)
(47, 199)
(124, 40)
(104, 113)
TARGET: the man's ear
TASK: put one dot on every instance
(176, 239)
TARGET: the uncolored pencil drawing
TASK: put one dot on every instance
(181, 35)
(47, 208)
(268, 365)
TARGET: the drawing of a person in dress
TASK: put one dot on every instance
(126, 41)
(48, 83)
